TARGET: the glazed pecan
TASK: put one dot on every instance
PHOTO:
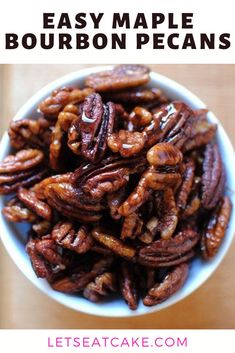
(170, 284)
(139, 95)
(30, 133)
(202, 131)
(100, 287)
(77, 239)
(21, 170)
(138, 118)
(119, 78)
(40, 187)
(128, 285)
(88, 133)
(82, 276)
(42, 227)
(15, 211)
(59, 98)
(170, 252)
(113, 243)
(29, 199)
(127, 143)
(111, 175)
(45, 257)
(71, 202)
(132, 226)
(186, 185)
(164, 154)
(114, 201)
(213, 178)
(214, 231)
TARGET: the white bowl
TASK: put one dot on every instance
(14, 235)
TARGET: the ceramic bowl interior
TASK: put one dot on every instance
(14, 235)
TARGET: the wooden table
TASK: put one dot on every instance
(211, 306)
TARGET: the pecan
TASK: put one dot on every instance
(132, 226)
(59, 98)
(127, 143)
(119, 78)
(100, 287)
(170, 284)
(42, 227)
(45, 257)
(202, 131)
(15, 211)
(88, 133)
(167, 214)
(30, 133)
(114, 200)
(65, 235)
(39, 188)
(162, 253)
(164, 154)
(111, 175)
(72, 202)
(138, 118)
(213, 178)
(30, 200)
(128, 285)
(22, 169)
(139, 95)
(186, 185)
(113, 243)
(214, 231)
(81, 277)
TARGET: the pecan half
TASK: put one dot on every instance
(119, 78)
(214, 231)
(113, 243)
(186, 185)
(213, 177)
(101, 287)
(59, 98)
(132, 226)
(88, 133)
(128, 285)
(170, 284)
(162, 253)
(81, 277)
(66, 235)
(127, 143)
(15, 211)
(29, 199)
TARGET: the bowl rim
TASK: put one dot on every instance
(9, 243)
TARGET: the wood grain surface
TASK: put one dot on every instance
(211, 306)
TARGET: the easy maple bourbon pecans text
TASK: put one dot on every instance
(122, 188)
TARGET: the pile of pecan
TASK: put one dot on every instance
(122, 188)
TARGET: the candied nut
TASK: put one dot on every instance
(15, 211)
(113, 243)
(164, 154)
(28, 132)
(21, 161)
(67, 116)
(151, 230)
(119, 78)
(65, 235)
(139, 117)
(39, 188)
(114, 200)
(215, 230)
(167, 214)
(202, 131)
(132, 226)
(45, 257)
(52, 105)
(128, 285)
(42, 227)
(213, 177)
(169, 252)
(139, 95)
(111, 175)
(81, 277)
(127, 143)
(88, 133)
(30, 200)
(100, 287)
(170, 284)
(21, 170)
(186, 185)
(72, 202)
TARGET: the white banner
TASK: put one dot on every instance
(101, 31)
(110, 341)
